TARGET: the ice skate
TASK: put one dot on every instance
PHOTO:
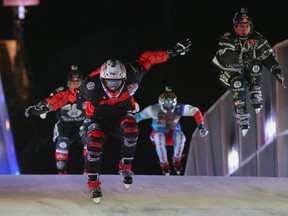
(94, 187)
(125, 172)
(243, 121)
(96, 194)
(126, 177)
(256, 99)
(165, 168)
(177, 166)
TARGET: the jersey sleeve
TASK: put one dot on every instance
(226, 57)
(189, 110)
(149, 58)
(146, 113)
(61, 99)
(95, 72)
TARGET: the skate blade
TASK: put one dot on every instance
(127, 186)
(97, 200)
(257, 110)
(244, 132)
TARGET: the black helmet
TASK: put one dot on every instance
(74, 74)
(243, 16)
(167, 100)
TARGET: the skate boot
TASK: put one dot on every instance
(243, 121)
(256, 100)
(126, 177)
(177, 165)
(125, 172)
(165, 168)
(95, 190)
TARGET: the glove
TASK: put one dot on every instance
(36, 110)
(81, 131)
(202, 130)
(280, 79)
(181, 48)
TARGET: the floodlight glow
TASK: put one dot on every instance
(21, 12)
(270, 130)
(233, 160)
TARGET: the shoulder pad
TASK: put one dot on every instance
(227, 34)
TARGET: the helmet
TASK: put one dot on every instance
(167, 100)
(74, 75)
(113, 76)
(242, 17)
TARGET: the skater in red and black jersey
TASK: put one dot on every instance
(108, 92)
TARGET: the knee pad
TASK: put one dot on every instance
(239, 88)
(62, 144)
(253, 73)
(95, 144)
(130, 131)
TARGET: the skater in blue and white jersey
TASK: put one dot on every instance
(166, 128)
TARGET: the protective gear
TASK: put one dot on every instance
(74, 75)
(242, 17)
(62, 154)
(253, 74)
(167, 100)
(36, 110)
(202, 130)
(181, 48)
(113, 76)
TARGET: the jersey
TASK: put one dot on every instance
(166, 122)
(234, 54)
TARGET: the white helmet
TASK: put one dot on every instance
(113, 76)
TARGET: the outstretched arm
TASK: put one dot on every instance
(149, 58)
(51, 103)
(150, 112)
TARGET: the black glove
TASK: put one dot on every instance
(202, 130)
(181, 48)
(277, 74)
(36, 110)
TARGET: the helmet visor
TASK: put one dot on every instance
(168, 104)
(113, 84)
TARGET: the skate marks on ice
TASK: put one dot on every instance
(67, 195)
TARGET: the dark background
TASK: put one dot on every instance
(58, 33)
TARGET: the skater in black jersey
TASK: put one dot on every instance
(241, 55)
